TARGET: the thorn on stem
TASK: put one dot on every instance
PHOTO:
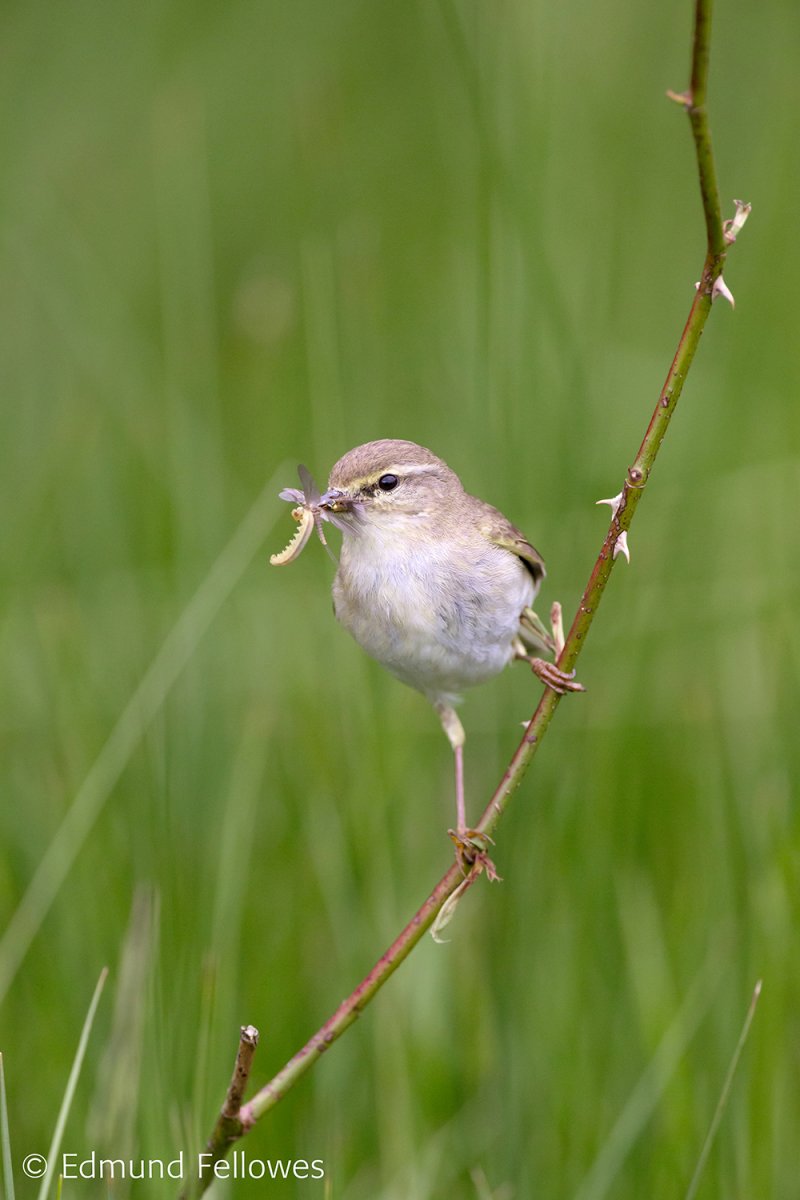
(720, 288)
(614, 502)
(621, 546)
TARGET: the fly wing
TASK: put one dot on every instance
(310, 489)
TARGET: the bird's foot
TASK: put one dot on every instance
(473, 860)
(532, 629)
(553, 677)
(472, 848)
(536, 632)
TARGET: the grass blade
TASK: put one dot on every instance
(72, 1083)
(644, 1098)
(148, 697)
(724, 1094)
(5, 1140)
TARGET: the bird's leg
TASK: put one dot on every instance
(533, 628)
(536, 632)
(471, 845)
(456, 737)
(461, 819)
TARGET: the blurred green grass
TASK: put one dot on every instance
(245, 236)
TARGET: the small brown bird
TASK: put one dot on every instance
(432, 582)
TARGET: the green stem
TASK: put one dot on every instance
(636, 478)
(698, 116)
(356, 1002)
(632, 491)
(638, 473)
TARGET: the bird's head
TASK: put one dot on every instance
(385, 479)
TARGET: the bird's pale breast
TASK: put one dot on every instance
(440, 615)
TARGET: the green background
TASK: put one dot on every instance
(239, 236)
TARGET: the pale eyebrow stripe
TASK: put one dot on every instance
(395, 469)
(411, 469)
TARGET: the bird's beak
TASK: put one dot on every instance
(336, 501)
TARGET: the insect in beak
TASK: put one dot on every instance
(305, 517)
(310, 510)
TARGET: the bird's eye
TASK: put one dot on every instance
(387, 483)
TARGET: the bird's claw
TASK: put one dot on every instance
(472, 849)
(553, 677)
(534, 628)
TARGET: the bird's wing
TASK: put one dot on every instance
(498, 529)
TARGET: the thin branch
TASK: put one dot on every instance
(232, 1123)
(624, 508)
(700, 128)
(356, 1002)
(248, 1040)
